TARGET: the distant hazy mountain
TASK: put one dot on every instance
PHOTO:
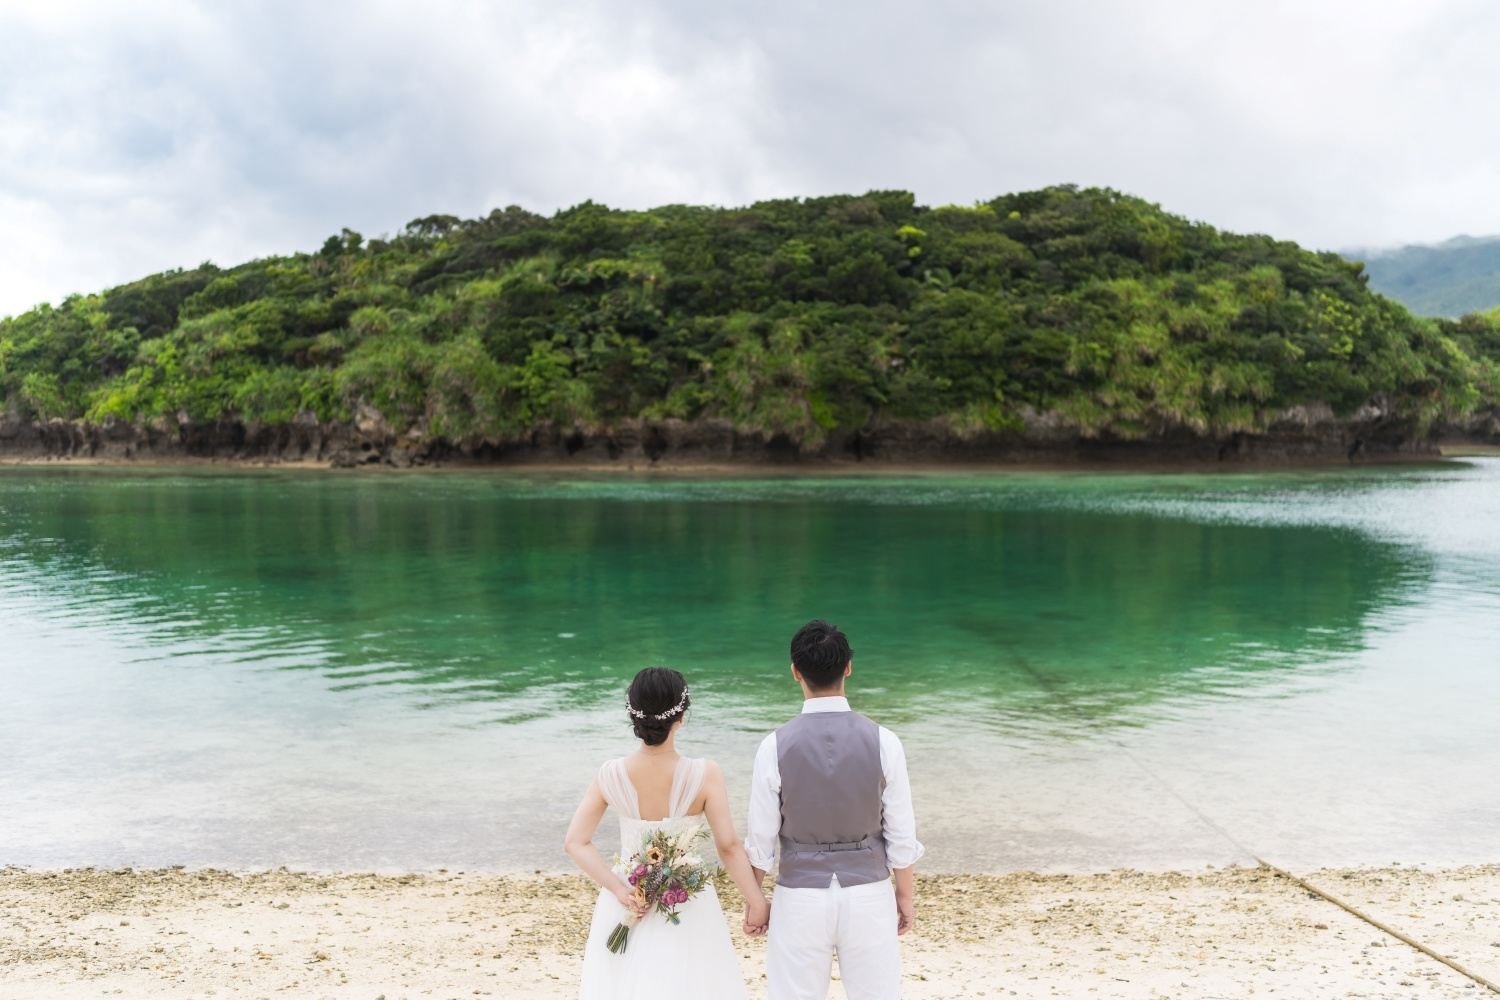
(1459, 276)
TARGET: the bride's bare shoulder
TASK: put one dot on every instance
(613, 771)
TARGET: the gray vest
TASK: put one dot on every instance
(831, 785)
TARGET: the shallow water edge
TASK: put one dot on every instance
(404, 672)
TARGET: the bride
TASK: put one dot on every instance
(655, 787)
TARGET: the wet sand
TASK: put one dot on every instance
(1214, 933)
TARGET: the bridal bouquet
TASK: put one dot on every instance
(666, 872)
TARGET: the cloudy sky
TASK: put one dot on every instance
(137, 136)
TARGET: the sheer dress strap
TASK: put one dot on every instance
(687, 782)
(618, 790)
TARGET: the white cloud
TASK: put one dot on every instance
(144, 136)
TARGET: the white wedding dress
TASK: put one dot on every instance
(690, 960)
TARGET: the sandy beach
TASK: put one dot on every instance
(1213, 933)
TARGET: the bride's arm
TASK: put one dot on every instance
(731, 851)
(579, 844)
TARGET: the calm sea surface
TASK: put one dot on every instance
(412, 671)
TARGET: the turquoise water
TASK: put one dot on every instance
(348, 670)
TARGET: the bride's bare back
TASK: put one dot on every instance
(653, 776)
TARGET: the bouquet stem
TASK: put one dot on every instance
(618, 938)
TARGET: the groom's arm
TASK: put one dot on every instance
(906, 898)
(898, 823)
(763, 824)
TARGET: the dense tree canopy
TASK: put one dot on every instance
(789, 317)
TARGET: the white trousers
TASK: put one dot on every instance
(810, 926)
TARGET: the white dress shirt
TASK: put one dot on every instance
(897, 820)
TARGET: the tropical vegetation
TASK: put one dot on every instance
(793, 318)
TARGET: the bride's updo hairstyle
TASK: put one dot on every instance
(657, 698)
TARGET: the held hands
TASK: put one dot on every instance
(757, 916)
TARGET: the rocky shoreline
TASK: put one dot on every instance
(1303, 435)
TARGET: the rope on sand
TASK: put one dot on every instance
(1207, 821)
(1380, 926)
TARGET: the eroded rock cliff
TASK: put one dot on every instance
(1299, 435)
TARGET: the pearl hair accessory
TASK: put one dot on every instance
(674, 710)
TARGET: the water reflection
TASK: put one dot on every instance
(1047, 601)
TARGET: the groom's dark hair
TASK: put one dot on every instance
(820, 652)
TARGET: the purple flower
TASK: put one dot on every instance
(640, 871)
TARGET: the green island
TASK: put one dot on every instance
(848, 327)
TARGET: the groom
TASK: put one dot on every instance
(830, 790)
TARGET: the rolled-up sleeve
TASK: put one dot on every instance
(898, 817)
(764, 823)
